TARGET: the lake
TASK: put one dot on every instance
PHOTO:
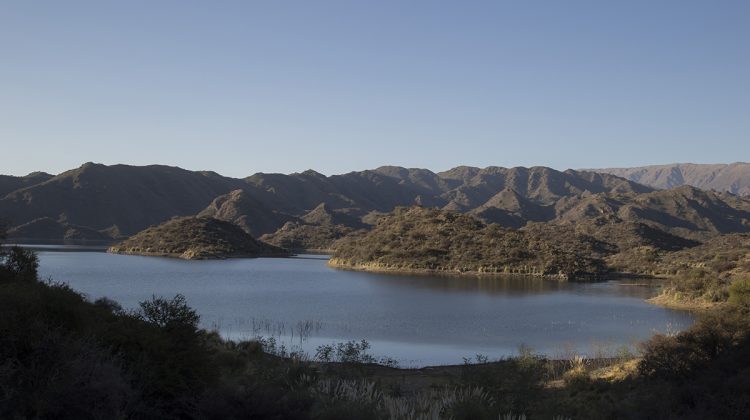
(417, 320)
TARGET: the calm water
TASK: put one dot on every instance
(418, 320)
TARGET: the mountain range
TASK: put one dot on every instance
(733, 177)
(105, 203)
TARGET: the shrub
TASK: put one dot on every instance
(739, 291)
(169, 313)
(681, 357)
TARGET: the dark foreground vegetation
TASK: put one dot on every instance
(62, 356)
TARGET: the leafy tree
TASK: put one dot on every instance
(169, 313)
(19, 264)
(16, 263)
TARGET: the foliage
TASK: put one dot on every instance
(169, 313)
(18, 264)
(352, 352)
(416, 238)
(517, 381)
(707, 272)
(739, 292)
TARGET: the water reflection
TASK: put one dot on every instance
(504, 285)
(512, 285)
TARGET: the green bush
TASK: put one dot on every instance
(739, 291)
(685, 355)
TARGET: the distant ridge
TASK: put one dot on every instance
(10, 183)
(308, 209)
(120, 200)
(733, 177)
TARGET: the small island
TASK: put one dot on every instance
(194, 238)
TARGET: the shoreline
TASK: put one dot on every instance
(662, 299)
(384, 269)
(366, 268)
(668, 301)
(203, 258)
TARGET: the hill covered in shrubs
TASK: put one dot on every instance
(697, 276)
(196, 238)
(423, 239)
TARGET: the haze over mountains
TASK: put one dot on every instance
(98, 202)
(734, 177)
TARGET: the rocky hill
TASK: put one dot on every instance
(317, 230)
(430, 240)
(196, 238)
(733, 178)
(420, 239)
(247, 212)
(685, 211)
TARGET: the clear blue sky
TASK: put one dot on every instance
(278, 86)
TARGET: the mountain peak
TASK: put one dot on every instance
(313, 173)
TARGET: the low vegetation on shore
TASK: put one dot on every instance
(697, 277)
(196, 238)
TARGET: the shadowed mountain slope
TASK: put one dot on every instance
(684, 211)
(511, 209)
(539, 184)
(45, 230)
(122, 198)
(319, 229)
(323, 215)
(249, 213)
(9, 183)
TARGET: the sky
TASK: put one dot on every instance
(240, 87)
